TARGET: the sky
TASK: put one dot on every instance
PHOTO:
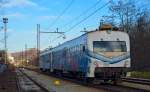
(24, 15)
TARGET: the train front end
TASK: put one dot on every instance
(109, 53)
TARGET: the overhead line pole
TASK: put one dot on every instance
(38, 38)
(38, 42)
(26, 54)
(22, 58)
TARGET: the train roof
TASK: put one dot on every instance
(89, 32)
(68, 41)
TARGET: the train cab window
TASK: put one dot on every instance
(109, 46)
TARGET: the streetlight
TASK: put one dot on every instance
(5, 21)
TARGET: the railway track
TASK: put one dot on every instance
(27, 84)
(107, 87)
(137, 80)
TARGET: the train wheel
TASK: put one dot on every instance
(118, 81)
(114, 82)
(41, 69)
(88, 81)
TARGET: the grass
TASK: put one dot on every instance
(141, 74)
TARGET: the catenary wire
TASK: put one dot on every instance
(61, 14)
(83, 13)
(70, 29)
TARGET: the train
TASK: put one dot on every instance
(95, 55)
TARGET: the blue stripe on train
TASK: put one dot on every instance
(109, 60)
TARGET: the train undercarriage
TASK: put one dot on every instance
(102, 75)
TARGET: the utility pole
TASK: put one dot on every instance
(22, 58)
(38, 42)
(26, 53)
(5, 21)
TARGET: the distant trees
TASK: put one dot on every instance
(130, 17)
(143, 22)
(125, 13)
(134, 20)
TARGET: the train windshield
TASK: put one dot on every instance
(109, 46)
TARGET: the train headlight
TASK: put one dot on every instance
(109, 31)
(96, 64)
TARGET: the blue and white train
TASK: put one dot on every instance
(99, 54)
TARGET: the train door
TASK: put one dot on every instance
(64, 59)
(51, 62)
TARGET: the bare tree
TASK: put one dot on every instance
(143, 22)
(125, 12)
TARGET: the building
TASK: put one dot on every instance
(26, 57)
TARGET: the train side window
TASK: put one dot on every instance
(78, 48)
(74, 48)
(83, 48)
(71, 49)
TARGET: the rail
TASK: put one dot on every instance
(36, 83)
(137, 80)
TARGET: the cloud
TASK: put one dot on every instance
(17, 3)
(15, 15)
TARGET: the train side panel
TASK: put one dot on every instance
(69, 56)
(44, 62)
(78, 57)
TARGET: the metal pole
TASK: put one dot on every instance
(26, 53)
(38, 42)
(5, 21)
(22, 58)
(5, 43)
